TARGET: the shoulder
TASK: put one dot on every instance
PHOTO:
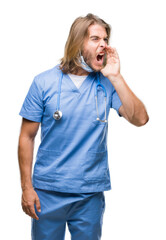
(47, 77)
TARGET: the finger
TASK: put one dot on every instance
(114, 60)
(33, 213)
(109, 49)
(26, 210)
(112, 53)
(37, 202)
(116, 53)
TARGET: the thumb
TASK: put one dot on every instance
(37, 202)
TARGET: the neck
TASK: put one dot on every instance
(80, 72)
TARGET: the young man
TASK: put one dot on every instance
(72, 103)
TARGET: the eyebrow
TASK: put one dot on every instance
(98, 37)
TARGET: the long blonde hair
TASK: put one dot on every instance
(78, 32)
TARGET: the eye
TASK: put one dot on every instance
(106, 40)
(95, 38)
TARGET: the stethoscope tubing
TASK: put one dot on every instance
(59, 92)
(100, 84)
(58, 114)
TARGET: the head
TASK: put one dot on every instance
(88, 37)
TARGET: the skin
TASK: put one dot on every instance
(25, 155)
(132, 109)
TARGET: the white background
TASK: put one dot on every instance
(33, 35)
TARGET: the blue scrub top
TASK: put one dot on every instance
(72, 156)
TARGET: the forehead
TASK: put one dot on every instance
(97, 30)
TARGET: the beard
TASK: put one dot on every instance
(88, 58)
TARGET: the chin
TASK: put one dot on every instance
(97, 69)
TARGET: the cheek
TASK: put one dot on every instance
(91, 52)
(89, 58)
(91, 47)
(87, 55)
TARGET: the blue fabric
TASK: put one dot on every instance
(115, 101)
(83, 213)
(72, 156)
(85, 65)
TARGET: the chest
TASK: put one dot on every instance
(78, 105)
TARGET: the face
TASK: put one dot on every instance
(94, 47)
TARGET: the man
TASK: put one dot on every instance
(71, 171)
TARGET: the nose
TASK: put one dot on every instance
(103, 43)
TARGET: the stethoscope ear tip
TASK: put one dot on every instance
(98, 119)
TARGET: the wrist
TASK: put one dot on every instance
(115, 78)
(26, 187)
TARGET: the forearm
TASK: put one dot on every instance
(25, 158)
(134, 108)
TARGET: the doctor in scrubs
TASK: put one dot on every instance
(71, 103)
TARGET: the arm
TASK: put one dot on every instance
(25, 157)
(132, 108)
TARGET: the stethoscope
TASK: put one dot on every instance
(58, 114)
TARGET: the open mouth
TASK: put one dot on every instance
(100, 57)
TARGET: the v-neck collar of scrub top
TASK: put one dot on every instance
(83, 86)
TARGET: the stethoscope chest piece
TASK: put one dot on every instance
(105, 100)
(57, 115)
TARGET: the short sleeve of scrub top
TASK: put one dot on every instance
(115, 101)
(32, 108)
